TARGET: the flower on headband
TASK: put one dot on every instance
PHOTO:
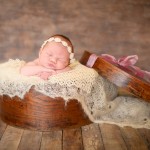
(50, 39)
(69, 49)
(57, 39)
(71, 55)
(72, 60)
(64, 43)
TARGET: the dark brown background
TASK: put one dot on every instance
(117, 27)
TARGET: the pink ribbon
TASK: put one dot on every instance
(91, 60)
(126, 62)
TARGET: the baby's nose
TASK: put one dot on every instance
(53, 60)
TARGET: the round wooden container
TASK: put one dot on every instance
(39, 112)
(115, 74)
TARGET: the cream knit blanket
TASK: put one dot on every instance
(97, 96)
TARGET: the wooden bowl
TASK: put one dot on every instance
(130, 83)
(39, 112)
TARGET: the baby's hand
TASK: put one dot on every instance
(44, 75)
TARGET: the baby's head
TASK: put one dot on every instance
(56, 52)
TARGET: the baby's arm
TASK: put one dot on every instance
(32, 68)
(45, 75)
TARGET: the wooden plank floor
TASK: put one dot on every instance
(90, 137)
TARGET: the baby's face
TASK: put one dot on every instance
(54, 56)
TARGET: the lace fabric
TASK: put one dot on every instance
(98, 97)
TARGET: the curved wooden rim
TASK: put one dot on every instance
(119, 77)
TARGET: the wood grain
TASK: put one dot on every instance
(52, 140)
(11, 138)
(72, 139)
(39, 112)
(112, 133)
(145, 134)
(3, 126)
(133, 140)
(30, 138)
(92, 138)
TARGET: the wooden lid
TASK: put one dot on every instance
(134, 85)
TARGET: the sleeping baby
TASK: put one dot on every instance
(55, 55)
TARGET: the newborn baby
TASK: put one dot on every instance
(55, 55)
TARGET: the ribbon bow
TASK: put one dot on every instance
(126, 62)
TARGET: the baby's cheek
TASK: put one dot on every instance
(59, 65)
(64, 65)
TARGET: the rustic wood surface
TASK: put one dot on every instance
(114, 27)
(89, 137)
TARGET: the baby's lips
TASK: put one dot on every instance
(51, 65)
